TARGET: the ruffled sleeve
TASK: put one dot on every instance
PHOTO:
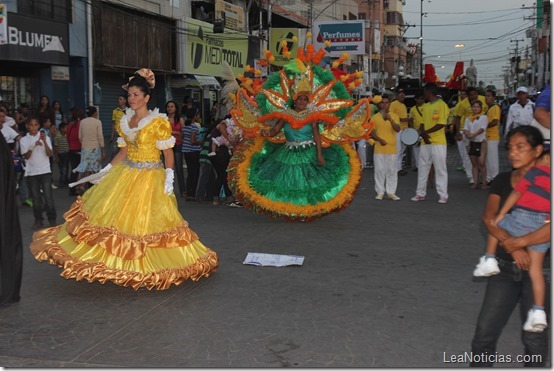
(164, 139)
(121, 139)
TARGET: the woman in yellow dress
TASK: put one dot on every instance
(127, 228)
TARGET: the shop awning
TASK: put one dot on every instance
(200, 81)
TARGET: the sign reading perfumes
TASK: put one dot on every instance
(345, 36)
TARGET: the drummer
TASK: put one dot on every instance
(398, 107)
(386, 127)
(415, 121)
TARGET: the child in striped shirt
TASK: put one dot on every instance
(61, 154)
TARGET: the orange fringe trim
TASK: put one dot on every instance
(45, 247)
(297, 124)
(238, 182)
(120, 244)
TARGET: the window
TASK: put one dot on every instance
(58, 10)
(351, 16)
(361, 16)
(16, 90)
(394, 18)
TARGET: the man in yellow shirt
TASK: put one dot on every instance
(461, 112)
(416, 120)
(117, 114)
(433, 146)
(398, 107)
(493, 135)
(386, 126)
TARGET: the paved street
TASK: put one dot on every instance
(384, 284)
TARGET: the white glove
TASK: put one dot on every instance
(168, 184)
(101, 174)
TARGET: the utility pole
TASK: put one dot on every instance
(421, 45)
(370, 13)
(516, 61)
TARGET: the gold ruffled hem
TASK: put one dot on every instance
(238, 171)
(45, 247)
(118, 243)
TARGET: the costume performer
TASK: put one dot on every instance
(127, 229)
(297, 160)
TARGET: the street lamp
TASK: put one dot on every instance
(460, 46)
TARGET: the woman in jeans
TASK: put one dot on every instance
(177, 122)
(512, 284)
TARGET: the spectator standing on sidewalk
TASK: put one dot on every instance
(58, 113)
(72, 134)
(177, 122)
(542, 115)
(37, 148)
(191, 150)
(92, 145)
(399, 108)
(433, 147)
(522, 111)
(61, 154)
(512, 285)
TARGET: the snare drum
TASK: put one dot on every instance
(409, 136)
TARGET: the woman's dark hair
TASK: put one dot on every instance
(478, 102)
(57, 101)
(177, 112)
(140, 82)
(91, 110)
(44, 96)
(532, 134)
(77, 113)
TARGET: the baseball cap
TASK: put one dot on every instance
(522, 89)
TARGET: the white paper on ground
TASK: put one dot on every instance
(272, 260)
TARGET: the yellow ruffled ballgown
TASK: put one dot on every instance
(126, 229)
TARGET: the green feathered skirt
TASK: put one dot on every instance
(282, 181)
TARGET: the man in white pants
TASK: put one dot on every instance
(461, 112)
(398, 107)
(384, 158)
(433, 147)
(493, 135)
(416, 120)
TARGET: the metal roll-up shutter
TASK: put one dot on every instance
(110, 85)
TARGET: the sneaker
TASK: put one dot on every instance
(393, 197)
(28, 202)
(443, 200)
(211, 154)
(417, 198)
(461, 168)
(54, 186)
(486, 267)
(379, 196)
(235, 204)
(536, 321)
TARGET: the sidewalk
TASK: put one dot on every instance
(384, 284)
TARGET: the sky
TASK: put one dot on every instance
(484, 27)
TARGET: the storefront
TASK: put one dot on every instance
(35, 61)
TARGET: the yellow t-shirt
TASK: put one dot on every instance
(385, 131)
(117, 114)
(402, 112)
(435, 113)
(463, 109)
(417, 115)
(493, 114)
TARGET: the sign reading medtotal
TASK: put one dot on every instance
(36, 40)
(206, 51)
(276, 36)
(345, 36)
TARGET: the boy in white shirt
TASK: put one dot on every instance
(36, 147)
